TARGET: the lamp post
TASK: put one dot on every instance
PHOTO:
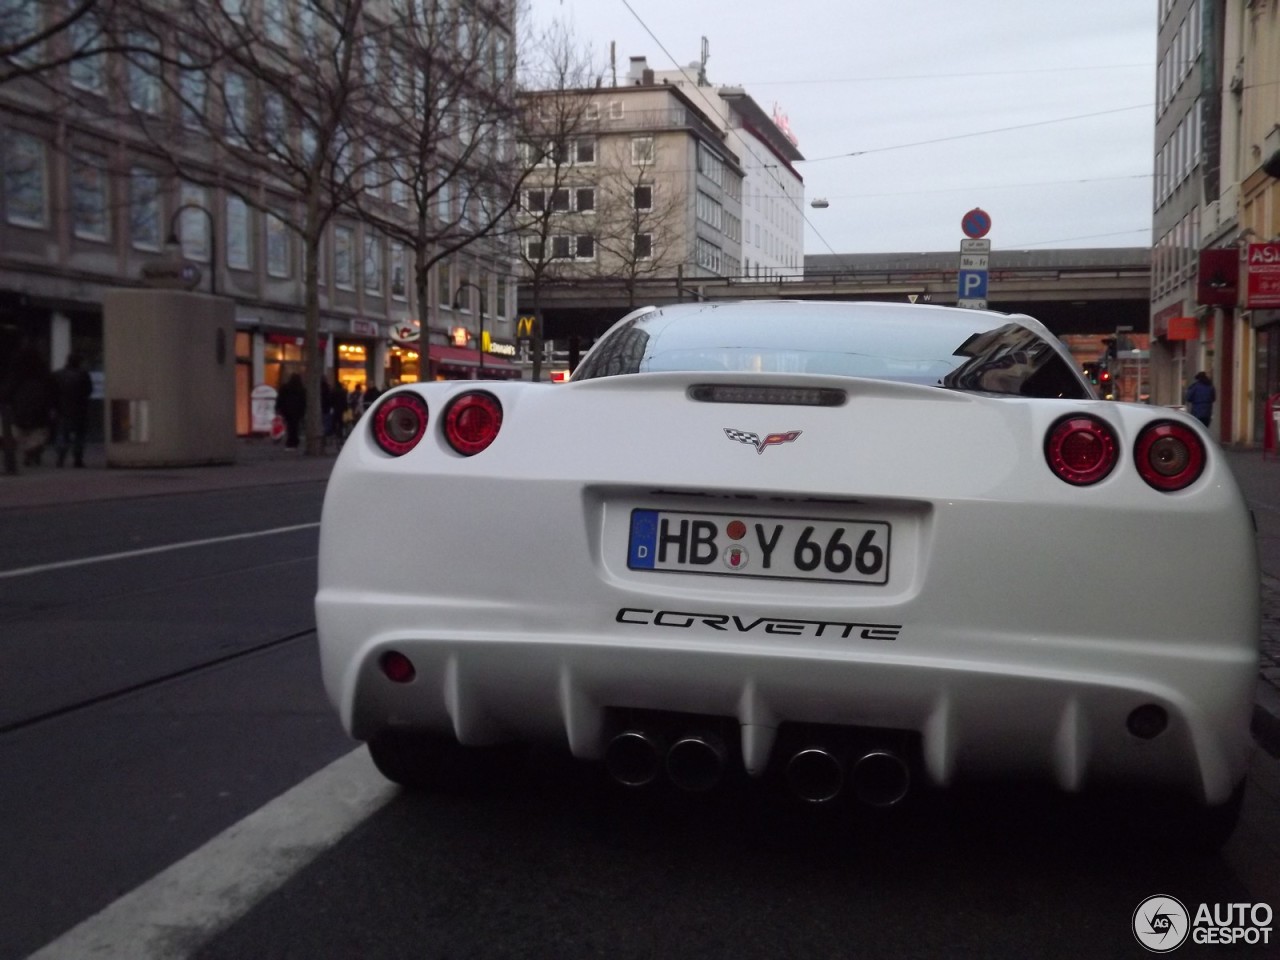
(213, 239)
(457, 305)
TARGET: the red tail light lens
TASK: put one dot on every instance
(399, 422)
(1081, 450)
(472, 422)
(1169, 455)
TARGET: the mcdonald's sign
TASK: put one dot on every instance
(526, 327)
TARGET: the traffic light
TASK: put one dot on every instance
(1110, 343)
(1091, 371)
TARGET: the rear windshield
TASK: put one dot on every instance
(968, 350)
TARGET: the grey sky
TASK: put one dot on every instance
(881, 79)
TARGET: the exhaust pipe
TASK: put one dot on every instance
(633, 758)
(815, 775)
(880, 778)
(696, 762)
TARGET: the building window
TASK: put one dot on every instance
(615, 109)
(398, 288)
(25, 185)
(585, 152)
(87, 73)
(235, 92)
(193, 223)
(19, 22)
(89, 205)
(277, 247)
(534, 249)
(238, 252)
(641, 150)
(560, 248)
(644, 246)
(643, 198)
(535, 200)
(444, 296)
(500, 308)
(585, 199)
(343, 254)
(372, 263)
(585, 247)
(193, 88)
(144, 209)
(275, 18)
(143, 73)
(591, 112)
(560, 201)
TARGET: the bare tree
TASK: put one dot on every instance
(558, 123)
(442, 170)
(641, 231)
(259, 100)
(39, 38)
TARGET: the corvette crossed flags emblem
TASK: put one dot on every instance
(743, 436)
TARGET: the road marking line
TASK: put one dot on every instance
(179, 909)
(63, 564)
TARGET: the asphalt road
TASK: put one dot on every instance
(163, 735)
(151, 700)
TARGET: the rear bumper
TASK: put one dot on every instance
(1038, 708)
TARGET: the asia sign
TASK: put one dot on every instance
(1263, 273)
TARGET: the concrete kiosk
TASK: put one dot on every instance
(169, 365)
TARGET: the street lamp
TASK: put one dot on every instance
(457, 305)
(213, 239)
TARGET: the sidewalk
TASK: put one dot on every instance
(1259, 478)
(259, 462)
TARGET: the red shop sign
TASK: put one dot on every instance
(1263, 267)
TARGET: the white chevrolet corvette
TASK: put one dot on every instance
(858, 547)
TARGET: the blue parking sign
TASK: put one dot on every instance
(972, 285)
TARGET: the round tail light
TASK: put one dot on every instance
(1169, 455)
(1081, 450)
(472, 422)
(399, 422)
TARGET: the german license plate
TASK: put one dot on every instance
(747, 545)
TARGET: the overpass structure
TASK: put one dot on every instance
(1081, 291)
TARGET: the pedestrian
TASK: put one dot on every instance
(34, 402)
(1200, 397)
(356, 402)
(75, 387)
(326, 409)
(291, 404)
(370, 395)
(339, 410)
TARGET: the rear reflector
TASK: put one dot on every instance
(1169, 455)
(782, 396)
(1081, 450)
(397, 667)
(472, 422)
(399, 422)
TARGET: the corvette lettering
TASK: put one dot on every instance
(743, 436)
(684, 620)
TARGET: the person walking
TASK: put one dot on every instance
(339, 410)
(291, 404)
(34, 400)
(74, 388)
(1200, 397)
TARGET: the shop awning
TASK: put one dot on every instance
(462, 357)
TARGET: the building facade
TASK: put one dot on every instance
(87, 201)
(1218, 107)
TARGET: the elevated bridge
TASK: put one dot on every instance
(1085, 291)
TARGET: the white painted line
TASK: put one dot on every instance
(142, 552)
(178, 910)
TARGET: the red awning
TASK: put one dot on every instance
(463, 357)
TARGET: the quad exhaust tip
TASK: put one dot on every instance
(634, 758)
(696, 762)
(880, 778)
(815, 775)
